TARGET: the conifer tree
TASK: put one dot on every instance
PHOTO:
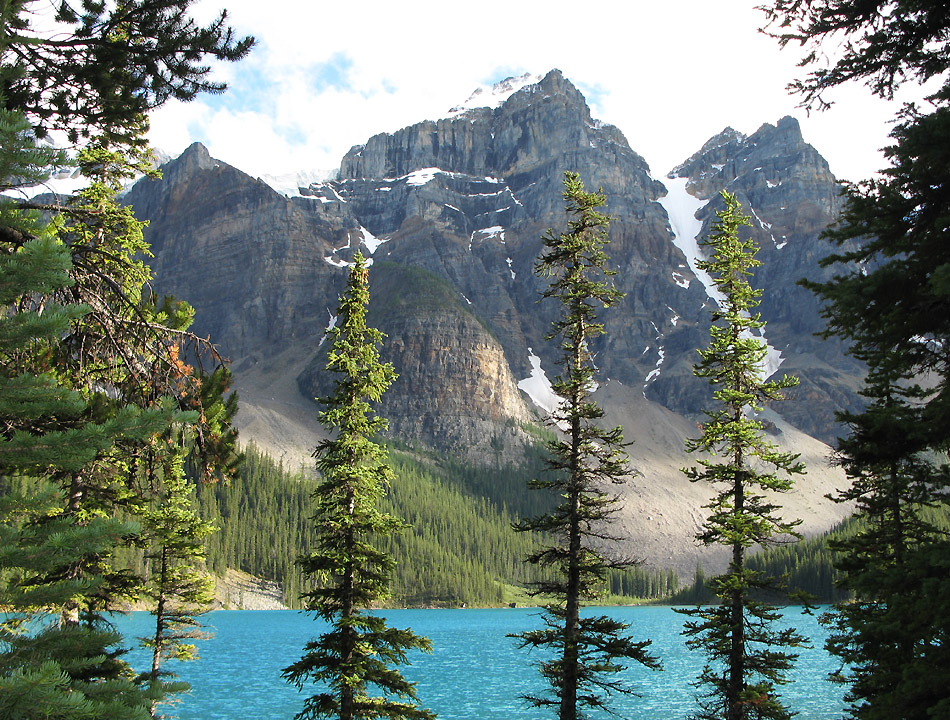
(747, 656)
(49, 558)
(359, 653)
(179, 588)
(891, 301)
(90, 368)
(588, 652)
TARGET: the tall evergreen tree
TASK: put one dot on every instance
(891, 300)
(179, 588)
(90, 367)
(360, 652)
(892, 304)
(748, 656)
(588, 652)
(49, 558)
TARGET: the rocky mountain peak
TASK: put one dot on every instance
(787, 189)
(452, 212)
(770, 151)
(466, 199)
(195, 157)
(492, 97)
(493, 133)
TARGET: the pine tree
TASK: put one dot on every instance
(360, 651)
(49, 558)
(890, 301)
(588, 652)
(892, 304)
(179, 587)
(90, 370)
(747, 655)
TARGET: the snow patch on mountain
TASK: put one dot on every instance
(421, 177)
(655, 372)
(366, 238)
(681, 207)
(495, 231)
(495, 95)
(290, 184)
(369, 240)
(678, 278)
(330, 325)
(537, 386)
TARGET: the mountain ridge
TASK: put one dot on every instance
(464, 201)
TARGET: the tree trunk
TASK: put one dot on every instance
(346, 612)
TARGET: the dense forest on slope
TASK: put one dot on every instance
(460, 549)
(807, 565)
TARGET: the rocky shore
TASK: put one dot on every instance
(240, 591)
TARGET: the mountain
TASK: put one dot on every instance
(452, 212)
(787, 188)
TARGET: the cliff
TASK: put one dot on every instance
(452, 211)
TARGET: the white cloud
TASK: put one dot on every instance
(326, 76)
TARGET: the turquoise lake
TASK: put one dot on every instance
(474, 673)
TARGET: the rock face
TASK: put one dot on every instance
(791, 196)
(454, 387)
(452, 212)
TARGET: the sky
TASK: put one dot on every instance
(670, 74)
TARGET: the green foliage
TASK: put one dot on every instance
(746, 659)
(103, 67)
(697, 593)
(58, 537)
(458, 551)
(179, 589)
(90, 374)
(638, 582)
(587, 653)
(262, 519)
(890, 301)
(894, 269)
(803, 567)
(56, 553)
(359, 653)
(883, 43)
(22, 163)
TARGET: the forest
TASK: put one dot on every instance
(123, 483)
(461, 532)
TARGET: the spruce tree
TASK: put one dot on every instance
(891, 302)
(747, 656)
(179, 588)
(588, 652)
(360, 651)
(55, 665)
(90, 366)
(889, 299)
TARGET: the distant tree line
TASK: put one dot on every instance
(809, 565)
(459, 550)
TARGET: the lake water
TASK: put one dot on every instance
(474, 673)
